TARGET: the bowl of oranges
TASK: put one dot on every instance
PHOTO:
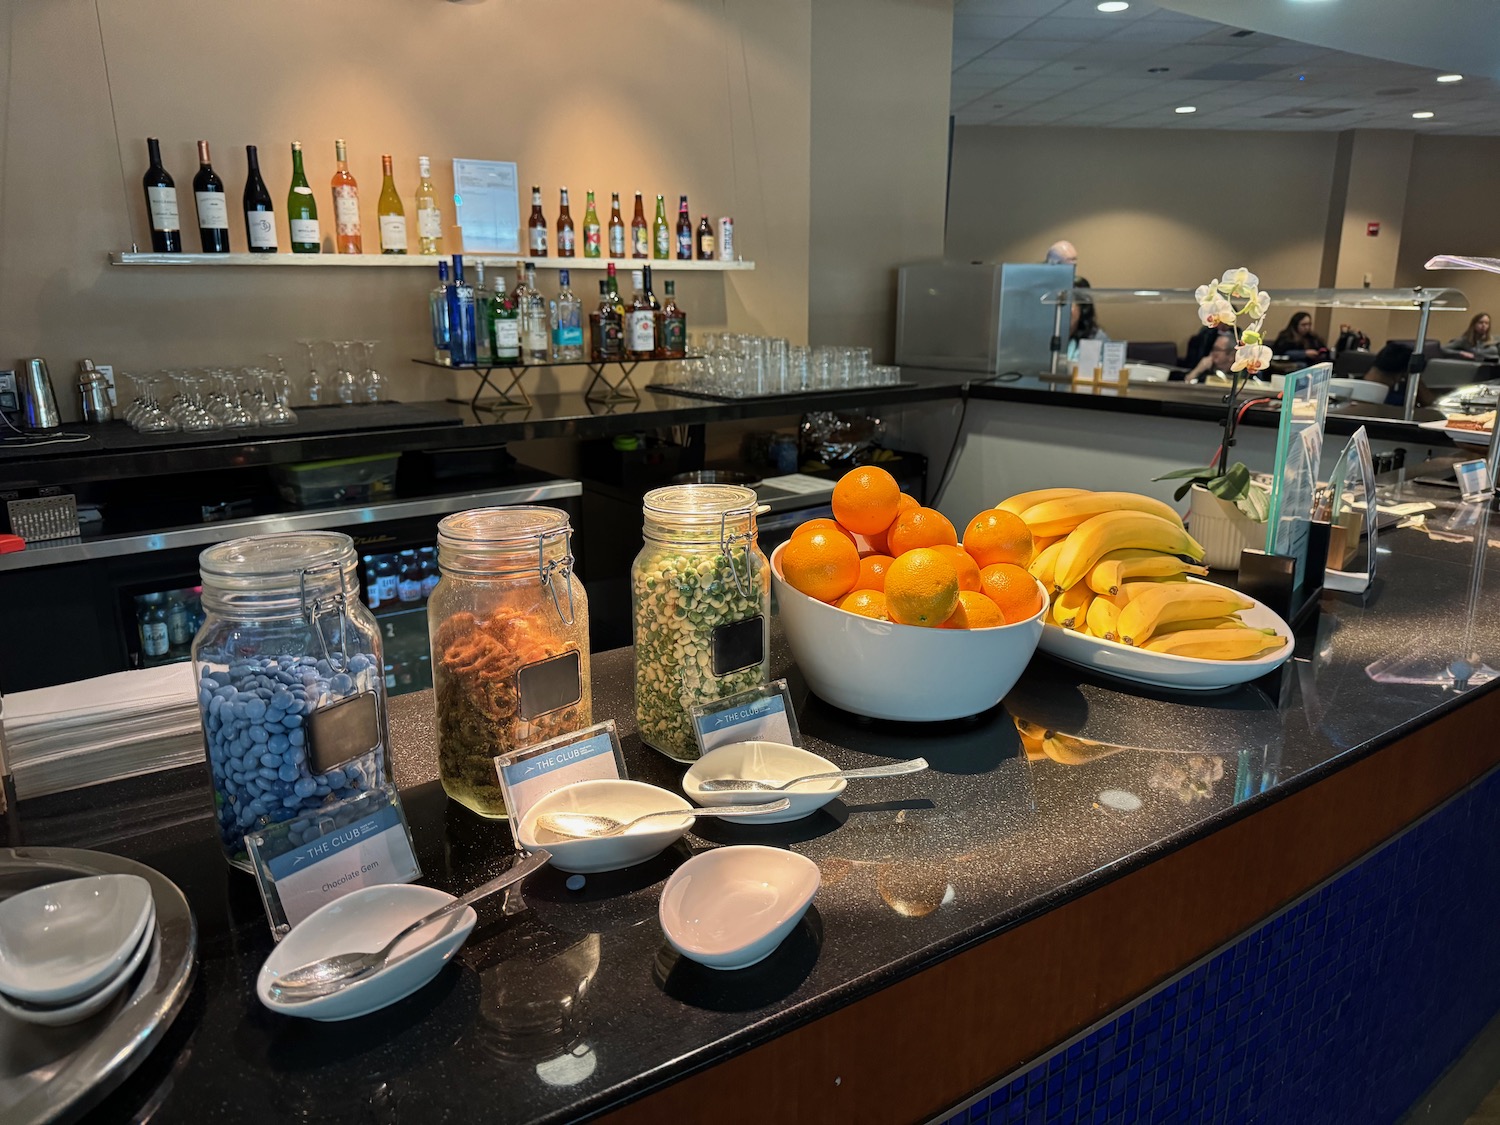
(889, 615)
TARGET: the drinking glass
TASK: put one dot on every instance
(372, 384)
(799, 369)
(315, 388)
(345, 385)
(281, 383)
(271, 410)
(859, 366)
(146, 414)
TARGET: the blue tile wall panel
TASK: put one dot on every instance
(1344, 1009)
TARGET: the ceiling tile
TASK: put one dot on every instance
(988, 27)
(1071, 30)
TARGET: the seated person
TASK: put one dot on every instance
(1391, 365)
(1299, 342)
(1475, 343)
(1082, 323)
(1219, 360)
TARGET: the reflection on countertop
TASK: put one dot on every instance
(565, 1002)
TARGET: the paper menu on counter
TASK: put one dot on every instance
(533, 772)
(1113, 360)
(486, 198)
(1090, 356)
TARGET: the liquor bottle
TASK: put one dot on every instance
(429, 214)
(179, 624)
(152, 621)
(348, 239)
(673, 325)
(537, 328)
(302, 209)
(661, 234)
(616, 227)
(650, 296)
(591, 230)
(483, 303)
(386, 579)
(726, 239)
(430, 575)
(537, 225)
(705, 240)
(212, 204)
(460, 315)
(567, 322)
(522, 299)
(392, 215)
(437, 308)
(409, 578)
(684, 229)
(564, 228)
(372, 588)
(260, 217)
(161, 201)
(504, 327)
(609, 339)
(640, 322)
(613, 284)
(640, 238)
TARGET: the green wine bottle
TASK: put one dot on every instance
(302, 209)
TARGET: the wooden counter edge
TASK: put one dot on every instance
(924, 1044)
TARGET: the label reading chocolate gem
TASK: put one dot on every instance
(549, 684)
(739, 645)
(343, 731)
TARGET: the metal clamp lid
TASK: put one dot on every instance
(313, 611)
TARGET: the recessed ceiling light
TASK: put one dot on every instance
(1186, 109)
(1113, 6)
(1423, 114)
(1450, 77)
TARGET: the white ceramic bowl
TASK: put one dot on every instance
(904, 672)
(62, 941)
(623, 800)
(1163, 669)
(731, 907)
(363, 921)
(91, 1003)
(764, 761)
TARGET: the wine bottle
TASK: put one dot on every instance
(302, 209)
(616, 227)
(684, 229)
(161, 202)
(429, 213)
(564, 228)
(348, 239)
(661, 234)
(537, 225)
(640, 237)
(392, 214)
(705, 240)
(212, 205)
(591, 246)
(260, 217)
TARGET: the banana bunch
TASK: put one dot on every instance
(1118, 564)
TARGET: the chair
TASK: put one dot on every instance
(1442, 372)
(1162, 353)
(1352, 363)
(1360, 390)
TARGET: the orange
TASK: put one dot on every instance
(999, 537)
(903, 505)
(866, 603)
(865, 500)
(921, 588)
(921, 527)
(1012, 589)
(968, 569)
(872, 569)
(821, 564)
(974, 611)
(822, 524)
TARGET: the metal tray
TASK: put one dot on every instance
(52, 1074)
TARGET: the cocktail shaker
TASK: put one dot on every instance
(93, 393)
(38, 402)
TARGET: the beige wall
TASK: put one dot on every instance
(1378, 165)
(879, 159)
(1144, 208)
(575, 91)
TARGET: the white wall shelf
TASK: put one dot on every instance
(421, 261)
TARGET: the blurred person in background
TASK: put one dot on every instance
(1061, 253)
(1475, 343)
(1218, 360)
(1083, 324)
(1391, 365)
(1299, 342)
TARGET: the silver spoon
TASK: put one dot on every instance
(743, 785)
(586, 826)
(319, 978)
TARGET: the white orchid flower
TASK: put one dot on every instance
(1257, 306)
(1252, 358)
(1206, 293)
(1239, 283)
(1216, 312)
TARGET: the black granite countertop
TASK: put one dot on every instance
(1207, 403)
(114, 451)
(561, 1009)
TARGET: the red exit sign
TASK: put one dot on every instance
(1372, 229)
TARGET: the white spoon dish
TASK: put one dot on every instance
(617, 799)
(731, 907)
(63, 941)
(59, 1015)
(763, 761)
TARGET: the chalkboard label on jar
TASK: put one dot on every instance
(549, 684)
(739, 645)
(342, 731)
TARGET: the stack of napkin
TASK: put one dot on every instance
(114, 726)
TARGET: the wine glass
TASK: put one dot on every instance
(345, 386)
(316, 391)
(272, 410)
(372, 383)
